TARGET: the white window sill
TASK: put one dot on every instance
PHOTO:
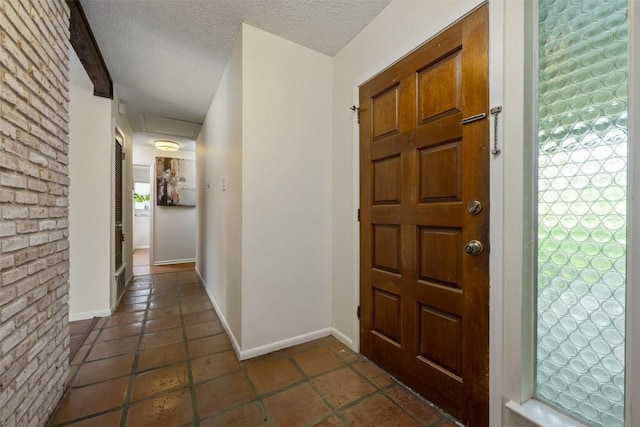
(542, 415)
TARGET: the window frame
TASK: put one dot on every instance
(516, 379)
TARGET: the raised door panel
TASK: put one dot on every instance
(386, 181)
(439, 255)
(384, 108)
(440, 173)
(439, 88)
(440, 339)
(387, 319)
(386, 247)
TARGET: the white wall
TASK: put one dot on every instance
(141, 229)
(286, 189)
(90, 212)
(219, 154)
(266, 239)
(174, 227)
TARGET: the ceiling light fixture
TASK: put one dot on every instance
(166, 145)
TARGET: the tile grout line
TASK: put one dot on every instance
(84, 358)
(259, 397)
(192, 380)
(71, 380)
(309, 380)
(386, 389)
(355, 363)
(192, 387)
(134, 367)
(382, 391)
(84, 362)
(257, 400)
(444, 417)
(378, 390)
(338, 412)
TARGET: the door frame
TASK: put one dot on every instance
(496, 192)
(152, 205)
(118, 136)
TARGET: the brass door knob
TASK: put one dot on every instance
(473, 247)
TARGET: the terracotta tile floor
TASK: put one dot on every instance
(163, 359)
(141, 265)
(78, 332)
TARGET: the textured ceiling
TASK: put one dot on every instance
(166, 57)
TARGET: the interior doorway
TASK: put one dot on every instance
(142, 215)
(141, 257)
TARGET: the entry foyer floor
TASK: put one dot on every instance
(163, 359)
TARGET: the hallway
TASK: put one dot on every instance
(163, 359)
(141, 266)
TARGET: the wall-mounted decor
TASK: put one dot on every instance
(175, 182)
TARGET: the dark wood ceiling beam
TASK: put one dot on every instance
(88, 51)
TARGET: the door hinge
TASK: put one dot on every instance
(356, 110)
(358, 312)
(358, 215)
(124, 156)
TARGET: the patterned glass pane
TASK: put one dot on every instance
(582, 204)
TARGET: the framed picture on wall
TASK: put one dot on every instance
(175, 182)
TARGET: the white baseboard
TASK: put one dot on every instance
(279, 345)
(175, 261)
(88, 315)
(223, 320)
(140, 247)
(275, 346)
(343, 339)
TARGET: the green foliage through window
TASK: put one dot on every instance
(141, 195)
(582, 205)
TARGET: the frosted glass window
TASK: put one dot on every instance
(582, 205)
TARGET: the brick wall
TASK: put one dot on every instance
(34, 250)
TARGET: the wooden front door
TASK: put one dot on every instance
(424, 199)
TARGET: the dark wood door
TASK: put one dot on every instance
(424, 299)
(117, 203)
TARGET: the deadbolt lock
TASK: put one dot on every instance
(473, 247)
(474, 207)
